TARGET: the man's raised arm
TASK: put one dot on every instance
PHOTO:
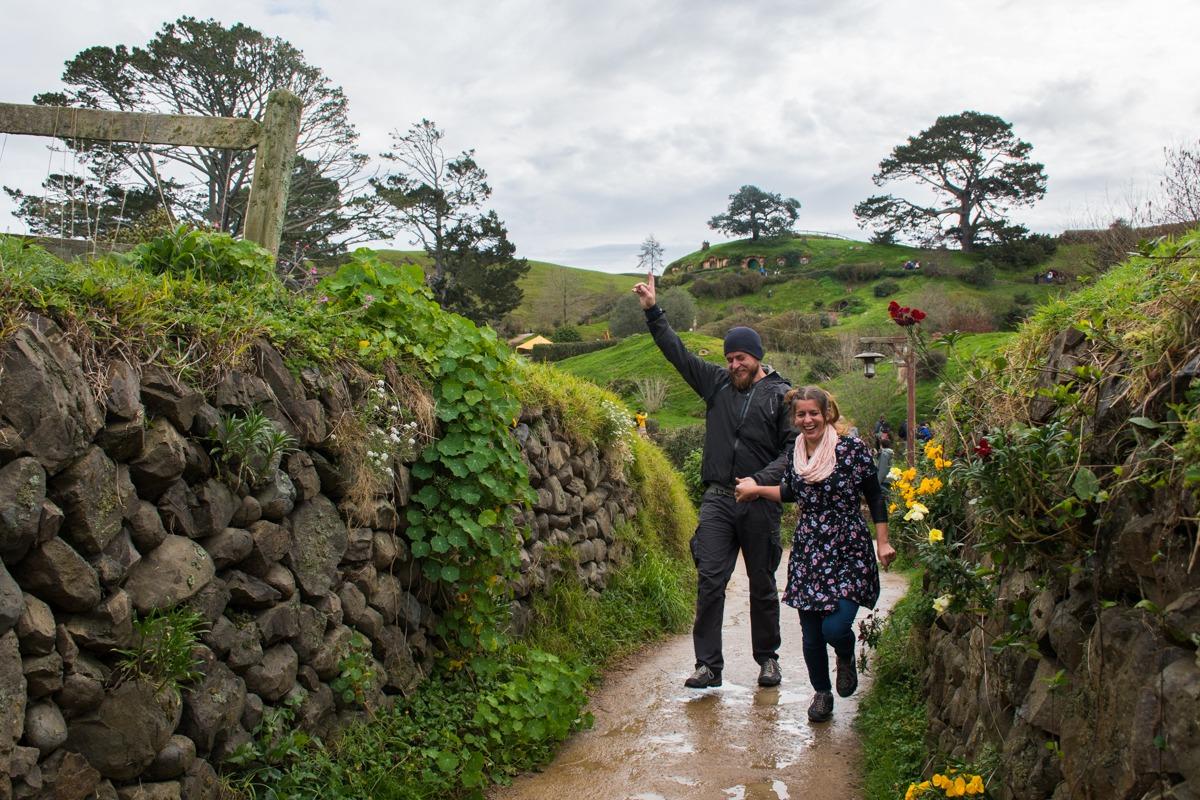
(701, 375)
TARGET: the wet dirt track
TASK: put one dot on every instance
(655, 740)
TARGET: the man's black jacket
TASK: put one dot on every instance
(746, 434)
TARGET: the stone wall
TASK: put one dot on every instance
(1099, 694)
(111, 506)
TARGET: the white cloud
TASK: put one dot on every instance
(599, 123)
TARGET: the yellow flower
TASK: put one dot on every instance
(894, 474)
(941, 781)
(975, 786)
(958, 789)
(916, 512)
(909, 474)
(935, 535)
(892, 508)
(941, 605)
(363, 343)
(929, 486)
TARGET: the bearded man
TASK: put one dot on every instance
(747, 433)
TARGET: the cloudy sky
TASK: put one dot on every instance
(602, 122)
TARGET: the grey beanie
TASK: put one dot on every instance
(745, 340)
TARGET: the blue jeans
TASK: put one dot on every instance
(820, 630)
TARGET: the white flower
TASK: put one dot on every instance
(894, 474)
(412, 441)
(917, 513)
(941, 604)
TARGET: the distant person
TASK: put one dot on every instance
(883, 465)
(924, 432)
(640, 419)
(747, 432)
(832, 571)
(903, 431)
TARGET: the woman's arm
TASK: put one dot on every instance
(747, 489)
(875, 502)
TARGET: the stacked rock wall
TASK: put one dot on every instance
(1098, 694)
(113, 507)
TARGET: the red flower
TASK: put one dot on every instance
(983, 449)
(903, 315)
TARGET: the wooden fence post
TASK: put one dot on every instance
(273, 170)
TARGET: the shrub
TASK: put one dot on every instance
(677, 443)
(691, 475)
(731, 284)
(651, 393)
(884, 236)
(1023, 299)
(249, 448)
(558, 351)
(823, 369)
(982, 274)
(208, 255)
(162, 649)
(566, 333)
(886, 288)
(857, 273)
(1020, 251)
(930, 364)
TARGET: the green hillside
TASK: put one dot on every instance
(637, 357)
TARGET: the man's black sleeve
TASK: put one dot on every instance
(875, 500)
(701, 375)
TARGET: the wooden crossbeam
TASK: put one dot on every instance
(124, 126)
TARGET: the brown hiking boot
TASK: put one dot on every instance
(847, 676)
(703, 678)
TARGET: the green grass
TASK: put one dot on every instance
(891, 718)
(638, 357)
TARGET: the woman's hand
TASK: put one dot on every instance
(746, 490)
(887, 554)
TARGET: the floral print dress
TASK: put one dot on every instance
(832, 553)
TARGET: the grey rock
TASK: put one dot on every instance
(205, 421)
(402, 486)
(171, 573)
(22, 490)
(59, 575)
(164, 396)
(200, 783)
(319, 538)
(175, 509)
(278, 623)
(403, 674)
(330, 607)
(107, 628)
(246, 591)
(359, 544)
(122, 737)
(113, 564)
(299, 467)
(333, 649)
(45, 727)
(124, 392)
(172, 761)
(245, 648)
(212, 600)
(252, 713)
(241, 391)
(310, 633)
(163, 790)
(1180, 704)
(270, 543)
(1182, 617)
(274, 677)
(386, 550)
(123, 440)
(68, 776)
(229, 547)
(79, 694)
(145, 526)
(281, 579)
(23, 761)
(12, 602)
(43, 674)
(50, 522)
(13, 693)
(213, 509)
(278, 497)
(220, 636)
(307, 416)
(334, 483)
(212, 707)
(354, 603)
(198, 466)
(316, 713)
(44, 396)
(161, 462)
(93, 500)
(247, 513)
(35, 627)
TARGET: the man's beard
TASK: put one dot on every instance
(741, 380)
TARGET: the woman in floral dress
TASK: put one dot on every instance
(832, 570)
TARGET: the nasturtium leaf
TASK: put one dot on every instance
(439, 543)
(450, 573)
(1086, 484)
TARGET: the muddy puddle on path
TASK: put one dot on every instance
(655, 740)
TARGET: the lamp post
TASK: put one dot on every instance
(902, 347)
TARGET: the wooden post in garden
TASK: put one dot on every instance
(273, 170)
(274, 139)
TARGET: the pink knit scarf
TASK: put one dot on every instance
(820, 465)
